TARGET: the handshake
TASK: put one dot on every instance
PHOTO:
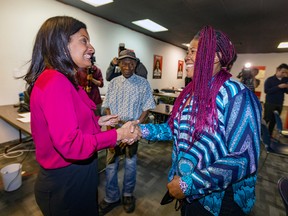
(128, 133)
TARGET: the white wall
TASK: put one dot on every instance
(20, 21)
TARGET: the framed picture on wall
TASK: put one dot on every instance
(157, 67)
(180, 69)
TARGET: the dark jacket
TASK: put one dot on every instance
(274, 94)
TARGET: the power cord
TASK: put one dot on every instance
(13, 153)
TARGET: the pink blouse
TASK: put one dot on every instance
(63, 124)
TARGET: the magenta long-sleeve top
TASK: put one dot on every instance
(63, 124)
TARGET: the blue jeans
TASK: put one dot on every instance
(129, 181)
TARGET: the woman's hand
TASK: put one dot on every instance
(174, 188)
(132, 125)
(129, 133)
(108, 120)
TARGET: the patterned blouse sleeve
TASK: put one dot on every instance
(156, 132)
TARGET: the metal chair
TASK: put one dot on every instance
(272, 146)
(279, 125)
(283, 190)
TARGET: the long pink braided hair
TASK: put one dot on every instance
(204, 86)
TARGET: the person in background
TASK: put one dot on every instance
(91, 80)
(65, 130)
(131, 97)
(256, 82)
(248, 77)
(275, 87)
(113, 69)
(215, 126)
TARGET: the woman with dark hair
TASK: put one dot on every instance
(65, 130)
(215, 126)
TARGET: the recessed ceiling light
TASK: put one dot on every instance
(150, 25)
(97, 3)
(186, 44)
(283, 45)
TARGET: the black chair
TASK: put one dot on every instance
(272, 146)
(283, 190)
(279, 125)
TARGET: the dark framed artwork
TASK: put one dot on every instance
(157, 67)
(180, 69)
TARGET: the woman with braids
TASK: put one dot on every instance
(215, 126)
(65, 130)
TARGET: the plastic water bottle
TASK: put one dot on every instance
(21, 98)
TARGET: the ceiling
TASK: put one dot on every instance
(254, 26)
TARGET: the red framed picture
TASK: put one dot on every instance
(157, 67)
(180, 69)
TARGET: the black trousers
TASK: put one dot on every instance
(228, 208)
(69, 191)
(269, 115)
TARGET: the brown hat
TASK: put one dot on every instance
(127, 54)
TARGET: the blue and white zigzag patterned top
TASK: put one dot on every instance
(228, 156)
